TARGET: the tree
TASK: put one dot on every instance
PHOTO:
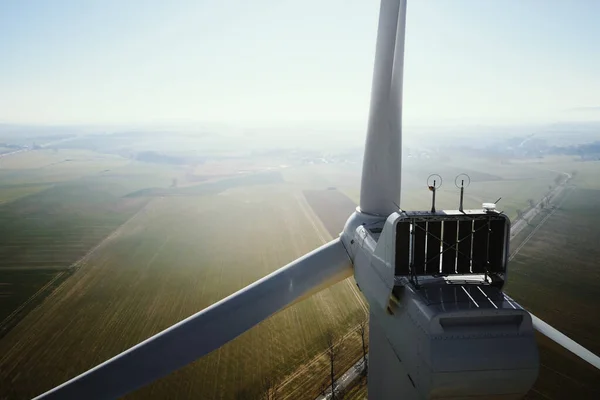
(324, 386)
(531, 203)
(270, 389)
(332, 353)
(519, 214)
(362, 329)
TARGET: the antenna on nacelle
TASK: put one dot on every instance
(433, 186)
(462, 188)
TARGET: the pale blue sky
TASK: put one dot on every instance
(281, 61)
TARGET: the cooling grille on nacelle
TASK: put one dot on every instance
(452, 243)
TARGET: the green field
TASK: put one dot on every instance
(100, 252)
(54, 208)
(178, 255)
(47, 226)
(556, 276)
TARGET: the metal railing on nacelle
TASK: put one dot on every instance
(451, 243)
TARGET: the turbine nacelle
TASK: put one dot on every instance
(446, 347)
(444, 327)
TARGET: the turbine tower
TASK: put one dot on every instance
(440, 325)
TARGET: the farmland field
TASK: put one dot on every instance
(101, 252)
(166, 263)
(54, 208)
(556, 275)
(332, 207)
(516, 183)
(10, 193)
(45, 230)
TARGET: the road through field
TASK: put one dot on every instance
(346, 379)
(537, 227)
(311, 363)
(521, 223)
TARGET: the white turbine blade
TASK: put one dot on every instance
(209, 329)
(380, 185)
(565, 341)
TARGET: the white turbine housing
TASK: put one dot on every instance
(440, 325)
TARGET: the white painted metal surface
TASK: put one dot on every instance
(388, 376)
(380, 185)
(452, 338)
(483, 354)
(565, 341)
(372, 255)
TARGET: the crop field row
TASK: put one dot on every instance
(179, 255)
(571, 236)
(44, 224)
(24, 289)
(54, 208)
(555, 275)
(28, 172)
(46, 167)
(46, 232)
(214, 187)
(10, 193)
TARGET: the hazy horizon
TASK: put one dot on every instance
(281, 63)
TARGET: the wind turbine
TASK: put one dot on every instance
(440, 325)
